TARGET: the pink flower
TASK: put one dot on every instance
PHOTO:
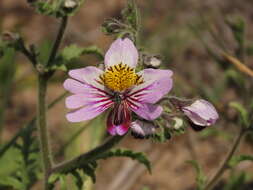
(118, 87)
(201, 113)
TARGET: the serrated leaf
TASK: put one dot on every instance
(89, 170)
(235, 182)
(63, 183)
(242, 111)
(78, 179)
(73, 52)
(200, 177)
(138, 156)
(237, 159)
(130, 14)
(11, 182)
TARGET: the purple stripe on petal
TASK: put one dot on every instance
(87, 75)
(157, 83)
(88, 112)
(118, 121)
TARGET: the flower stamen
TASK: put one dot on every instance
(120, 77)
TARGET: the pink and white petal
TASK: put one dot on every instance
(157, 83)
(117, 129)
(75, 86)
(122, 51)
(88, 75)
(76, 101)
(122, 129)
(195, 118)
(118, 121)
(88, 112)
(148, 111)
(201, 112)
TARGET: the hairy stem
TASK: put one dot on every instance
(215, 179)
(58, 40)
(86, 157)
(42, 128)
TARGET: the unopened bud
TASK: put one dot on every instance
(178, 123)
(10, 37)
(153, 61)
(70, 4)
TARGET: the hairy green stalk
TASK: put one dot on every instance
(86, 157)
(42, 128)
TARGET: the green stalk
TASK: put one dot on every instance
(42, 128)
(58, 40)
(77, 162)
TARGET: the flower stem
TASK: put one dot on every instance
(58, 40)
(215, 179)
(86, 157)
(42, 127)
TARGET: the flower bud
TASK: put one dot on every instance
(201, 113)
(10, 37)
(153, 61)
(141, 129)
(70, 4)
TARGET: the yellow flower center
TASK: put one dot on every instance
(120, 77)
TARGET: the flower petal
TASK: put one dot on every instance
(156, 84)
(122, 51)
(141, 129)
(74, 86)
(118, 121)
(75, 101)
(88, 112)
(88, 75)
(148, 111)
(201, 113)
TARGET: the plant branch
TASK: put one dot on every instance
(86, 157)
(215, 179)
(26, 52)
(42, 128)
(58, 40)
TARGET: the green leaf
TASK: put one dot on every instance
(200, 178)
(138, 156)
(244, 117)
(130, 14)
(235, 160)
(73, 52)
(235, 182)
(11, 182)
(63, 183)
(89, 169)
(78, 179)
